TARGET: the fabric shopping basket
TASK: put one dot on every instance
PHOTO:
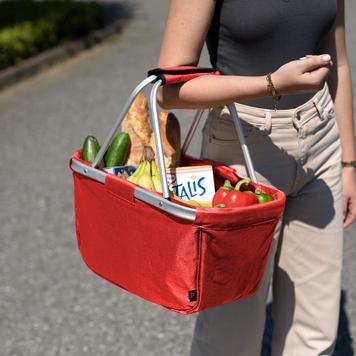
(182, 258)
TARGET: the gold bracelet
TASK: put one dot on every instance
(348, 164)
(272, 90)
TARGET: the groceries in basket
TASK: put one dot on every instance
(90, 149)
(147, 174)
(189, 185)
(192, 185)
(116, 155)
(131, 156)
(118, 151)
(121, 171)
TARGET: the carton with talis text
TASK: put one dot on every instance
(192, 183)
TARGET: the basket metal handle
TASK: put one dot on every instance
(239, 129)
(158, 138)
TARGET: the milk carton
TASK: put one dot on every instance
(192, 183)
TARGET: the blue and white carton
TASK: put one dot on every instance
(192, 183)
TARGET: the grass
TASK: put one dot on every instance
(28, 27)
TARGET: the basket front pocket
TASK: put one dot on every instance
(233, 261)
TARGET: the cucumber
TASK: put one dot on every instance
(118, 151)
(91, 148)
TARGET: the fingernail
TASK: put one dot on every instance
(303, 58)
(326, 57)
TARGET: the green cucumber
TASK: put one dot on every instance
(91, 148)
(118, 151)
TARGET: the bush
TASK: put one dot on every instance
(25, 40)
(29, 27)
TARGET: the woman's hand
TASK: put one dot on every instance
(349, 183)
(305, 75)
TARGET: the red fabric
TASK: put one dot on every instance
(222, 254)
(184, 77)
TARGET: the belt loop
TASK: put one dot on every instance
(319, 109)
(296, 119)
(268, 122)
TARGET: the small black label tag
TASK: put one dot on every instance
(192, 295)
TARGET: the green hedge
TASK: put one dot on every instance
(29, 27)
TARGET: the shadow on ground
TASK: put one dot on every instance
(344, 341)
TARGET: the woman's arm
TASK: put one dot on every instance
(186, 29)
(340, 85)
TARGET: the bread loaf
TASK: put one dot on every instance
(137, 125)
(138, 117)
(170, 133)
(136, 145)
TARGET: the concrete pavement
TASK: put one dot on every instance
(50, 303)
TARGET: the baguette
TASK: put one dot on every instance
(136, 145)
(171, 141)
(137, 125)
(138, 117)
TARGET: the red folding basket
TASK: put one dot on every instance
(184, 259)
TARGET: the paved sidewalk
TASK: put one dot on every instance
(50, 303)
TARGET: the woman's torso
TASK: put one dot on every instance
(254, 37)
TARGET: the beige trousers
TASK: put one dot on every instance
(297, 151)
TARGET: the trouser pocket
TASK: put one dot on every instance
(220, 139)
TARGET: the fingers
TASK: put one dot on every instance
(308, 74)
(349, 221)
(349, 212)
(315, 69)
(310, 63)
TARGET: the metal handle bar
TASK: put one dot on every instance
(244, 147)
(158, 139)
(239, 130)
(193, 128)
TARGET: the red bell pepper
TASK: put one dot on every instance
(222, 193)
(237, 199)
